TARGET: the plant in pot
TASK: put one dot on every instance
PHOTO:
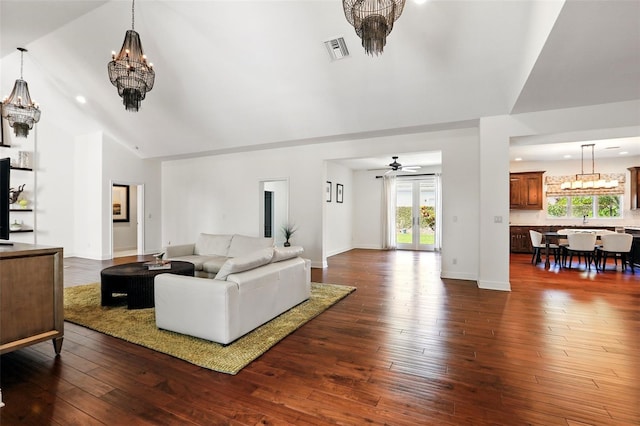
(288, 230)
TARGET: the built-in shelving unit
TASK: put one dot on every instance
(11, 146)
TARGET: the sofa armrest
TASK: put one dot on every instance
(200, 307)
(178, 250)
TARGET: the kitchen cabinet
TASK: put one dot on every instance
(520, 239)
(634, 196)
(525, 190)
(634, 256)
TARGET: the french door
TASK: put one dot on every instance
(416, 213)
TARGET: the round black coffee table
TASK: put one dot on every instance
(136, 280)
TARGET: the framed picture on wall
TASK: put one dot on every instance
(120, 200)
(339, 192)
(327, 192)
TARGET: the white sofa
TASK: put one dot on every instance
(247, 291)
(210, 251)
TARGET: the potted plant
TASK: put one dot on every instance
(288, 230)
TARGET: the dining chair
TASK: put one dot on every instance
(538, 246)
(618, 245)
(582, 244)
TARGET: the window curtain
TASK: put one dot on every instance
(438, 236)
(389, 213)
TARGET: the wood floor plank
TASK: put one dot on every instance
(405, 348)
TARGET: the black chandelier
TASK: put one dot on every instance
(129, 70)
(18, 108)
(373, 21)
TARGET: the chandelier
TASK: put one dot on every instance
(373, 21)
(129, 70)
(18, 108)
(588, 180)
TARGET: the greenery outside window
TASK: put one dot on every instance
(579, 206)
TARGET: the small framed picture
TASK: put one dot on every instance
(339, 192)
(120, 198)
(327, 192)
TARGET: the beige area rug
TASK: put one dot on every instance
(82, 307)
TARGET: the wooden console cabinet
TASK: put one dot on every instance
(31, 296)
(525, 190)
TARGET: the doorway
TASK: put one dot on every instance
(417, 215)
(127, 219)
(274, 208)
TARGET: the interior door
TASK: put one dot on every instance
(416, 214)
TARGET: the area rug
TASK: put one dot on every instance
(82, 307)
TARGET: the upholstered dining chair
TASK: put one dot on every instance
(618, 245)
(538, 246)
(582, 244)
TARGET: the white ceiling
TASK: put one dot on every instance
(240, 75)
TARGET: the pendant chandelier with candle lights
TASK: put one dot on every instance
(130, 71)
(588, 180)
(18, 109)
(373, 21)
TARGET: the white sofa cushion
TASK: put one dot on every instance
(216, 244)
(198, 261)
(244, 263)
(213, 264)
(284, 253)
(241, 245)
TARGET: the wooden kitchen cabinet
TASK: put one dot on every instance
(634, 196)
(525, 190)
(520, 239)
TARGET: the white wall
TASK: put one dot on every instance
(88, 201)
(219, 194)
(339, 218)
(122, 166)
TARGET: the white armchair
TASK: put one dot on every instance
(581, 244)
(618, 245)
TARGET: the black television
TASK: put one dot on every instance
(5, 170)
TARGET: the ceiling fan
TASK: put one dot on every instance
(394, 166)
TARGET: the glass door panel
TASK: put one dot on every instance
(415, 214)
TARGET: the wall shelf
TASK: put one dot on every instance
(20, 210)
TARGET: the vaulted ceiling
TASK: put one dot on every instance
(239, 75)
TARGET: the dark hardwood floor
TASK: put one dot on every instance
(407, 348)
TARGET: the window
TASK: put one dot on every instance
(579, 206)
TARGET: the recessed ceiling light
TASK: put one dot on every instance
(419, 1)
(567, 156)
(623, 153)
(81, 99)
(517, 159)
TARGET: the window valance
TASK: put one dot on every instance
(553, 186)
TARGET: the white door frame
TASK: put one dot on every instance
(140, 248)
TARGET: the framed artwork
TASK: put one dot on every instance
(327, 192)
(120, 200)
(339, 192)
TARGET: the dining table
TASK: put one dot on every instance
(562, 233)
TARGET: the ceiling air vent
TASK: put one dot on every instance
(337, 48)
